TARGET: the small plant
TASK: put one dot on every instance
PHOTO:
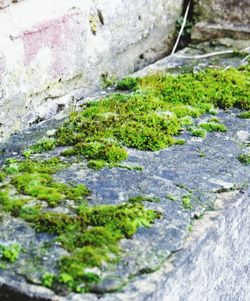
(186, 202)
(188, 26)
(171, 197)
(44, 145)
(244, 159)
(10, 253)
(213, 127)
(47, 279)
(128, 83)
(107, 80)
(244, 115)
(199, 132)
(2, 176)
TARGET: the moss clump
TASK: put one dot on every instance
(186, 121)
(214, 119)
(244, 159)
(149, 118)
(2, 176)
(91, 236)
(44, 145)
(199, 132)
(244, 115)
(10, 253)
(97, 164)
(186, 202)
(34, 179)
(11, 204)
(42, 186)
(50, 166)
(128, 83)
(213, 127)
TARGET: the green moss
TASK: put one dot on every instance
(199, 132)
(186, 121)
(91, 236)
(186, 202)
(2, 176)
(171, 197)
(44, 145)
(142, 199)
(47, 279)
(149, 118)
(14, 166)
(179, 141)
(213, 127)
(244, 159)
(11, 204)
(97, 164)
(244, 115)
(214, 119)
(128, 83)
(10, 253)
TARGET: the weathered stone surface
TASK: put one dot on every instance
(56, 52)
(219, 19)
(195, 255)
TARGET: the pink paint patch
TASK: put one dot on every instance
(58, 35)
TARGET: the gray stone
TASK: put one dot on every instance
(216, 19)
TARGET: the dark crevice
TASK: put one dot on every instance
(186, 35)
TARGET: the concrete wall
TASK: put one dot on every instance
(56, 51)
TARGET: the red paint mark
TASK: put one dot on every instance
(57, 35)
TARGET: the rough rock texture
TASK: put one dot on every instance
(198, 254)
(219, 19)
(5, 3)
(54, 52)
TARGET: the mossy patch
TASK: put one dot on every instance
(244, 159)
(198, 132)
(152, 115)
(41, 146)
(244, 115)
(213, 127)
(10, 253)
(90, 234)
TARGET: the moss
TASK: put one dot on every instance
(214, 119)
(91, 236)
(97, 164)
(186, 202)
(11, 204)
(14, 166)
(2, 176)
(47, 279)
(10, 253)
(44, 145)
(128, 83)
(244, 115)
(186, 121)
(244, 159)
(171, 197)
(179, 141)
(142, 199)
(213, 127)
(149, 118)
(199, 132)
